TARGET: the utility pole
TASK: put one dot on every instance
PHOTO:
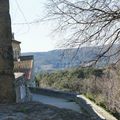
(7, 92)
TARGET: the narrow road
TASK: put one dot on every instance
(62, 100)
(58, 102)
(99, 113)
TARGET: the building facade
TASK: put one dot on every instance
(23, 71)
(16, 49)
(25, 64)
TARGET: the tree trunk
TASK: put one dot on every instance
(7, 92)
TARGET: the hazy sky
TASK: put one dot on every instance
(35, 37)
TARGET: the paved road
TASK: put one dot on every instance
(58, 102)
(63, 103)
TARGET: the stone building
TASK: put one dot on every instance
(16, 49)
(20, 87)
(23, 71)
(25, 64)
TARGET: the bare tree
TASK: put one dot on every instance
(88, 22)
(7, 92)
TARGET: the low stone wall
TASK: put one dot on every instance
(53, 93)
(88, 108)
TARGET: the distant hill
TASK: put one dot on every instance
(62, 59)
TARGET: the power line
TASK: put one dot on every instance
(21, 10)
(42, 20)
(22, 13)
(28, 23)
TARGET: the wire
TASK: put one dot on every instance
(19, 8)
(32, 22)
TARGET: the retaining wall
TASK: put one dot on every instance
(53, 93)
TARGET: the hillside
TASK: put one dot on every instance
(62, 59)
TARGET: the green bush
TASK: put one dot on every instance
(102, 104)
(97, 72)
(90, 96)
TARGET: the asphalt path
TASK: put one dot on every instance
(58, 102)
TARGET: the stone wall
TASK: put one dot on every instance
(6, 89)
(22, 91)
(7, 93)
(53, 93)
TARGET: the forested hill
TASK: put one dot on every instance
(56, 59)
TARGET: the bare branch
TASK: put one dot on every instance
(94, 22)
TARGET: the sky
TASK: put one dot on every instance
(33, 37)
